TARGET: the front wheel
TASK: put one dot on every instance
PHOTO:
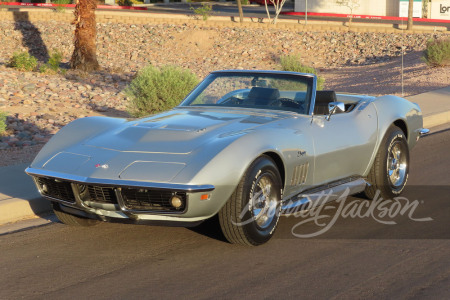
(251, 215)
(389, 171)
(72, 220)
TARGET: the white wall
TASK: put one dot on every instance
(367, 7)
(440, 9)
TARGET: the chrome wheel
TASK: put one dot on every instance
(397, 164)
(251, 215)
(389, 172)
(263, 201)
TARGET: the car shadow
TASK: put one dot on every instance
(210, 228)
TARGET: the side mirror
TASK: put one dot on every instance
(334, 108)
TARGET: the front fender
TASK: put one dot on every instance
(74, 133)
(227, 167)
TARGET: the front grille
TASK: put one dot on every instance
(144, 199)
(102, 194)
(61, 190)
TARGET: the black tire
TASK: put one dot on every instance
(72, 220)
(382, 176)
(237, 217)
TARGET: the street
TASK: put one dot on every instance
(229, 9)
(357, 258)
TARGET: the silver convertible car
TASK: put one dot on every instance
(246, 146)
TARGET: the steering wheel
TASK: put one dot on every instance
(233, 101)
(286, 102)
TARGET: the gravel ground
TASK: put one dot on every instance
(38, 105)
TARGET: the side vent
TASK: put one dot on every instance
(299, 175)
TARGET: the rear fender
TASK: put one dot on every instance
(391, 109)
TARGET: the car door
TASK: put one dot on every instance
(344, 144)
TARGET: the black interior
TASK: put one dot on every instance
(322, 100)
(262, 96)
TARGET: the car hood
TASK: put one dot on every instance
(153, 149)
(180, 131)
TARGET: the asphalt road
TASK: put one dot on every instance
(254, 11)
(356, 258)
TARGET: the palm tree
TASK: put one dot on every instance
(410, 15)
(84, 55)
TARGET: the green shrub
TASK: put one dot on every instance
(52, 66)
(60, 8)
(437, 53)
(23, 61)
(292, 63)
(204, 11)
(155, 90)
(124, 2)
(43, 68)
(2, 122)
(55, 60)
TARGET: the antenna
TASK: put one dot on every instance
(403, 40)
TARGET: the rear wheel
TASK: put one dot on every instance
(72, 220)
(389, 172)
(251, 215)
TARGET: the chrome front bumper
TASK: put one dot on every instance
(119, 208)
(421, 132)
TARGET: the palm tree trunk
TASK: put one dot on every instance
(84, 55)
(410, 15)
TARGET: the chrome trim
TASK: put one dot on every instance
(60, 201)
(423, 131)
(78, 199)
(263, 72)
(312, 102)
(128, 211)
(123, 183)
(333, 108)
(321, 195)
(72, 204)
(313, 90)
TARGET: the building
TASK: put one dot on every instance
(435, 9)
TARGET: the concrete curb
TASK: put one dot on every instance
(20, 200)
(436, 120)
(435, 106)
(13, 210)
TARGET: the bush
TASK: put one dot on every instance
(155, 90)
(53, 63)
(437, 53)
(23, 61)
(292, 63)
(55, 60)
(124, 2)
(60, 8)
(2, 122)
(204, 11)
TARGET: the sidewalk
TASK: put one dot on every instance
(19, 198)
(435, 106)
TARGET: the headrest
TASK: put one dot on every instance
(325, 97)
(263, 93)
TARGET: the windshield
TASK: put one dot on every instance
(279, 91)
